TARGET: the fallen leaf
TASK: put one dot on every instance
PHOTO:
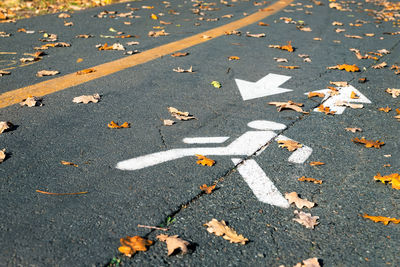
(337, 23)
(216, 84)
(31, 101)
(227, 233)
(362, 80)
(353, 36)
(79, 60)
(279, 59)
(299, 202)
(289, 145)
(157, 33)
(384, 51)
(85, 71)
(346, 67)
(255, 35)
(394, 92)
(202, 160)
(315, 94)
(387, 109)
(307, 179)
(384, 220)
(207, 189)
(47, 73)
(348, 104)
(153, 16)
(368, 143)
(174, 243)
(238, 33)
(84, 36)
(305, 29)
(165, 23)
(60, 194)
(306, 219)
(338, 30)
(64, 15)
(398, 114)
(115, 46)
(168, 122)
(289, 67)
(179, 114)
(68, 23)
(311, 262)
(179, 54)
(380, 66)
(317, 39)
(393, 179)
(114, 125)
(147, 7)
(68, 163)
(3, 72)
(206, 36)
(130, 245)
(233, 58)
(5, 125)
(316, 163)
(369, 34)
(228, 16)
(262, 24)
(326, 110)
(180, 70)
(340, 84)
(353, 130)
(287, 47)
(2, 155)
(289, 105)
(85, 99)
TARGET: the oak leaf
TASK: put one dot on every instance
(182, 116)
(387, 109)
(289, 105)
(346, 67)
(287, 47)
(311, 262)
(315, 94)
(289, 145)
(130, 245)
(85, 71)
(394, 92)
(326, 110)
(174, 243)
(2, 155)
(47, 73)
(384, 220)
(227, 233)
(114, 125)
(63, 162)
(293, 197)
(393, 179)
(31, 101)
(179, 54)
(306, 219)
(368, 143)
(204, 160)
(353, 129)
(380, 66)
(5, 125)
(308, 179)
(85, 99)
(207, 189)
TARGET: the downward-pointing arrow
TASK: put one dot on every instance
(269, 85)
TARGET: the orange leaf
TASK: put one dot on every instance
(233, 58)
(326, 110)
(289, 67)
(204, 160)
(313, 94)
(262, 24)
(393, 179)
(368, 143)
(346, 67)
(312, 180)
(316, 163)
(384, 220)
(114, 125)
(179, 54)
(85, 71)
(387, 109)
(68, 163)
(154, 16)
(207, 189)
(289, 144)
(130, 245)
(353, 95)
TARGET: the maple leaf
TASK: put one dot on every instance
(289, 145)
(393, 179)
(85, 71)
(353, 129)
(326, 110)
(311, 262)
(2, 155)
(387, 109)
(85, 99)
(31, 101)
(179, 54)
(384, 220)
(114, 125)
(290, 105)
(204, 160)
(174, 243)
(380, 66)
(315, 94)
(368, 143)
(63, 162)
(293, 197)
(5, 126)
(316, 163)
(207, 189)
(306, 219)
(47, 73)
(346, 67)
(227, 233)
(168, 122)
(307, 179)
(180, 115)
(394, 92)
(130, 245)
(255, 35)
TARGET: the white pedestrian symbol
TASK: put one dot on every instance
(249, 143)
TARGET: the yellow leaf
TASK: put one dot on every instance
(204, 160)
(384, 220)
(368, 143)
(154, 16)
(207, 189)
(234, 58)
(393, 179)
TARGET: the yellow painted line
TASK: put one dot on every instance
(72, 79)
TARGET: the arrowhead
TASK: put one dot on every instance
(269, 85)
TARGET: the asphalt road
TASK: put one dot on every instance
(84, 230)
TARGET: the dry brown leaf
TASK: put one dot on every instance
(326, 110)
(255, 35)
(380, 66)
(311, 180)
(202, 160)
(346, 67)
(289, 145)
(317, 39)
(114, 125)
(290, 105)
(338, 30)
(311, 262)
(368, 143)
(263, 24)
(393, 179)
(279, 59)
(305, 29)
(85, 71)
(207, 189)
(233, 58)
(5, 125)
(353, 129)
(3, 72)
(353, 36)
(238, 33)
(398, 114)
(31, 101)
(287, 47)
(179, 54)
(2, 155)
(227, 16)
(63, 162)
(47, 73)
(340, 84)
(384, 51)
(64, 15)
(369, 34)
(289, 67)
(130, 245)
(384, 220)
(165, 23)
(85, 99)
(68, 23)
(337, 23)
(180, 70)
(157, 33)
(174, 243)
(348, 104)
(227, 233)
(306, 219)
(179, 114)
(394, 92)
(84, 36)
(315, 94)
(387, 109)
(293, 197)
(168, 122)
(316, 163)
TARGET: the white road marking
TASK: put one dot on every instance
(205, 140)
(262, 187)
(266, 125)
(344, 95)
(269, 85)
(300, 155)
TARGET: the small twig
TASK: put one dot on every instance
(152, 227)
(60, 194)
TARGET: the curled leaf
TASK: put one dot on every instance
(2, 155)
(207, 189)
(307, 179)
(85, 71)
(47, 73)
(114, 125)
(174, 243)
(368, 143)
(85, 99)
(5, 125)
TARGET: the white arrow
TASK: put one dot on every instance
(269, 85)
(343, 96)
